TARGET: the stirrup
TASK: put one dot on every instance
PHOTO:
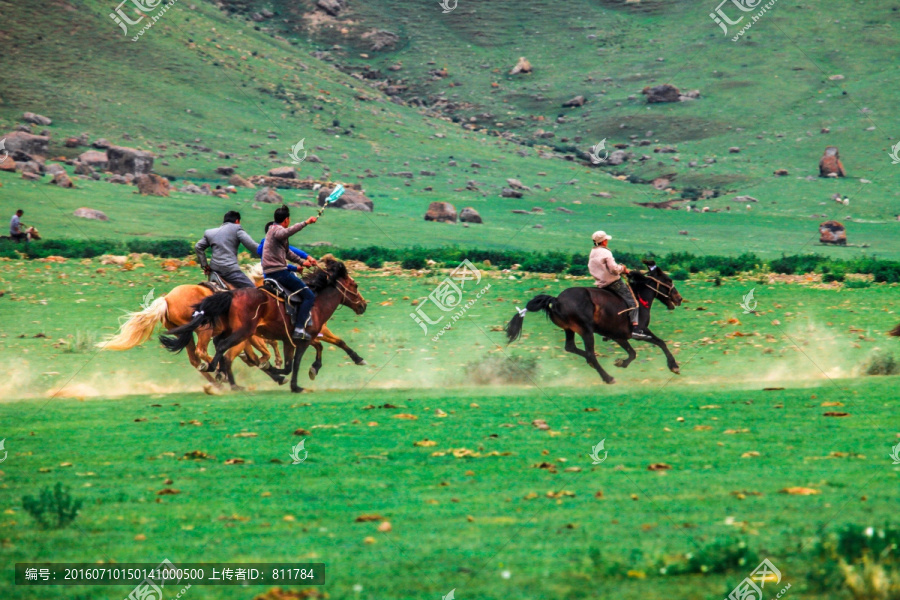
(300, 334)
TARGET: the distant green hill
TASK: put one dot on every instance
(208, 78)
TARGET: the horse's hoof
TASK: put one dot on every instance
(620, 363)
(312, 373)
(265, 366)
(611, 381)
(220, 376)
(203, 367)
(296, 389)
(676, 370)
(281, 380)
(361, 362)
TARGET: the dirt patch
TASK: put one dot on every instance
(670, 128)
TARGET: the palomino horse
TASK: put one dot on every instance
(243, 313)
(589, 311)
(176, 309)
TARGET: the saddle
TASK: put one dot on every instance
(215, 283)
(274, 288)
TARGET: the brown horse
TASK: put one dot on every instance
(589, 311)
(895, 331)
(176, 309)
(243, 313)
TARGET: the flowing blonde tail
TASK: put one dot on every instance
(138, 328)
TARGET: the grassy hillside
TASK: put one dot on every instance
(212, 78)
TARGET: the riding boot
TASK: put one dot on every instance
(300, 332)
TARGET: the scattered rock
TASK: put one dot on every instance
(833, 232)
(523, 66)
(90, 213)
(661, 93)
(745, 199)
(125, 160)
(510, 193)
(226, 171)
(781, 172)
(22, 143)
(830, 165)
(332, 7)
(517, 185)
(72, 142)
(283, 172)
(469, 215)
(734, 150)
(380, 39)
(62, 180)
(238, 181)
(268, 195)
(443, 212)
(7, 164)
(616, 157)
(563, 209)
(190, 188)
(349, 200)
(37, 119)
(53, 169)
(31, 176)
(95, 159)
(149, 184)
(574, 102)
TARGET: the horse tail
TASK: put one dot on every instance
(138, 328)
(895, 331)
(208, 312)
(540, 302)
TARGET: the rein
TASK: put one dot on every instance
(659, 284)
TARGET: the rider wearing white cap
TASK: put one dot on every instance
(607, 275)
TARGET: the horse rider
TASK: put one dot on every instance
(276, 253)
(225, 241)
(308, 261)
(608, 275)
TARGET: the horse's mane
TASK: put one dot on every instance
(322, 277)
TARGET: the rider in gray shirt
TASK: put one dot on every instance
(225, 241)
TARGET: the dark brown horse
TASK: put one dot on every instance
(246, 312)
(588, 311)
(895, 331)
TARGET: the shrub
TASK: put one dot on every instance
(80, 343)
(162, 248)
(53, 508)
(413, 262)
(882, 364)
(865, 560)
(500, 369)
(720, 556)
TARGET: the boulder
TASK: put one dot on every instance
(95, 159)
(62, 180)
(54, 168)
(124, 160)
(238, 181)
(510, 193)
(149, 184)
(283, 172)
(332, 7)
(7, 164)
(269, 196)
(833, 232)
(469, 215)
(31, 166)
(443, 212)
(36, 119)
(523, 66)
(227, 171)
(118, 179)
(101, 144)
(31, 176)
(83, 169)
(830, 165)
(380, 39)
(350, 200)
(617, 157)
(190, 188)
(661, 93)
(689, 95)
(72, 142)
(574, 102)
(745, 199)
(517, 185)
(19, 142)
(90, 213)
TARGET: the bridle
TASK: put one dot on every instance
(345, 291)
(660, 284)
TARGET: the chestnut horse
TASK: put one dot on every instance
(240, 314)
(589, 311)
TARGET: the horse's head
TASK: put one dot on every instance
(333, 273)
(661, 284)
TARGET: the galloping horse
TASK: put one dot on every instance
(176, 309)
(240, 314)
(589, 311)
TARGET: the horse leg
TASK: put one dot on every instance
(228, 359)
(623, 363)
(204, 335)
(570, 344)
(588, 338)
(274, 345)
(317, 364)
(670, 359)
(194, 357)
(295, 366)
(329, 337)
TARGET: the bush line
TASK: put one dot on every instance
(678, 264)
